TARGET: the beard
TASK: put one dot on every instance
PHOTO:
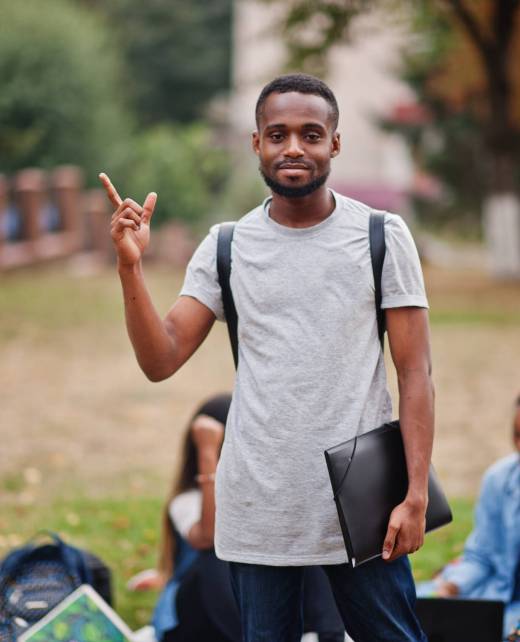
(298, 191)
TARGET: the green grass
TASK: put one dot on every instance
(124, 533)
(443, 545)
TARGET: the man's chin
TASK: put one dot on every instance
(294, 191)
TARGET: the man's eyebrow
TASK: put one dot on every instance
(314, 126)
(304, 126)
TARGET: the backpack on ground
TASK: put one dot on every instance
(37, 577)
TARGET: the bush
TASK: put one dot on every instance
(60, 100)
(183, 165)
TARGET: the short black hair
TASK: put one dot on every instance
(300, 83)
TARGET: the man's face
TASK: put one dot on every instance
(516, 430)
(295, 142)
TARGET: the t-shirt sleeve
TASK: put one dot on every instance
(201, 280)
(185, 511)
(402, 282)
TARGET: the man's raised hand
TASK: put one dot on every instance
(130, 224)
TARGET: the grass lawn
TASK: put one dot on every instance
(124, 533)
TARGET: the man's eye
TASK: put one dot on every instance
(313, 137)
(276, 137)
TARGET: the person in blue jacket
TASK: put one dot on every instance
(489, 568)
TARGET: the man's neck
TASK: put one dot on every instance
(302, 212)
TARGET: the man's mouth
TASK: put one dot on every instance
(293, 166)
(293, 171)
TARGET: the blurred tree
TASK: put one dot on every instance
(178, 53)
(61, 100)
(463, 69)
(183, 165)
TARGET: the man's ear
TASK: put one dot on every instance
(255, 142)
(336, 145)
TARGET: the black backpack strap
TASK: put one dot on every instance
(376, 234)
(225, 238)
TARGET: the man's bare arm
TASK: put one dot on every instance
(408, 335)
(161, 347)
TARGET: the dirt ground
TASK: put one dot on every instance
(77, 415)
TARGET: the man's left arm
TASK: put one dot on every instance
(409, 340)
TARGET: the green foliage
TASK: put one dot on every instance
(124, 533)
(444, 545)
(178, 54)
(183, 165)
(449, 142)
(60, 100)
(331, 21)
(311, 28)
(450, 148)
(244, 191)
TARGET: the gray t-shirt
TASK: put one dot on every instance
(310, 375)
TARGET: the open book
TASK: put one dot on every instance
(82, 616)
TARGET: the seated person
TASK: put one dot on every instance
(489, 568)
(514, 636)
(197, 601)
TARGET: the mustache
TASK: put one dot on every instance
(292, 164)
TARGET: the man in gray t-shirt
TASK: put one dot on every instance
(310, 372)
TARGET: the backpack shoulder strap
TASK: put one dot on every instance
(225, 238)
(224, 241)
(376, 233)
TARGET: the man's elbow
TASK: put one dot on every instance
(154, 376)
(158, 372)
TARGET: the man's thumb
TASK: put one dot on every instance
(389, 543)
(149, 206)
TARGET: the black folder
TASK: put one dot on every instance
(369, 479)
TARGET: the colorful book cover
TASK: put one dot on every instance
(82, 617)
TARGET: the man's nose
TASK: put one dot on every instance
(293, 149)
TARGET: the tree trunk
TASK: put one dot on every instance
(502, 233)
(501, 209)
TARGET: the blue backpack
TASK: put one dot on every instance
(34, 579)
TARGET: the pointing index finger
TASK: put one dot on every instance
(111, 191)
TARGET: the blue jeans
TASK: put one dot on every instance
(376, 601)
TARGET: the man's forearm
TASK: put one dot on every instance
(153, 346)
(416, 414)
